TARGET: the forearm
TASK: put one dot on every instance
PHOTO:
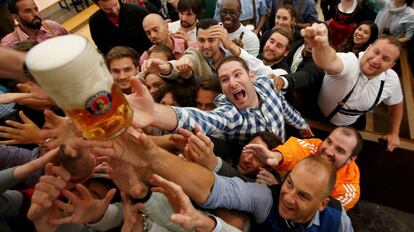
(261, 23)
(195, 180)
(325, 57)
(396, 114)
(165, 117)
(11, 65)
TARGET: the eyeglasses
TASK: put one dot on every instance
(229, 12)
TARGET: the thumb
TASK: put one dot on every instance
(24, 118)
(137, 86)
(109, 195)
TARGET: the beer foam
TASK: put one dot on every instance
(69, 69)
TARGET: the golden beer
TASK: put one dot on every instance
(107, 125)
(75, 76)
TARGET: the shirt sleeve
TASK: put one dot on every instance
(251, 43)
(293, 117)
(233, 193)
(112, 218)
(349, 60)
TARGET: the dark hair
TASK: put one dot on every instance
(164, 50)
(352, 132)
(285, 32)
(211, 85)
(121, 52)
(196, 6)
(234, 58)
(183, 94)
(348, 44)
(269, 138)
(11, 4)
(206, 23)
(289, 8)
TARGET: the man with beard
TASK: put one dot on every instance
(341, 148)
(31, 26)
(276, 49)
(229, 14)
(118, 24)
(185, 28)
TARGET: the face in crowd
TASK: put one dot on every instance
(237, 85)
(154, 83)
(28, 14)
(284, 19)
(208, 46)
(249, 164)
(110, 7)
(378, 57)
(122, 70)
(156, 29)
(230, 14)
(275, 48)
(362, 34)
(205, 99)
(188, 19)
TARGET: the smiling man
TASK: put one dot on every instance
(354, 85)
(341, 148)
(31, 25)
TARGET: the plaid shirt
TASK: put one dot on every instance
(48, 30)
(242, 124)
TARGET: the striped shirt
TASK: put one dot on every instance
(49, 29)
(238, 124)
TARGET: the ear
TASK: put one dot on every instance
(351, 158)
(323, 204)
(15, 17)
(252, 77)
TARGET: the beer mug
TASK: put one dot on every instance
(75, 76)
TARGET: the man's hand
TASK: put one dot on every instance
(185, 214)
(266, 177)
(316, 35)
(200, 148)
(82, 207)
(133, 221)
(25, 170)
(60, 132)
(156, 66)
(220, 32)
(20, 133)
(181, 34)
(142, 104)
(306, 133)
(185, 66)
(6, 98)
(262, 153)
(393, 141)
(35, 90)
(279, 82)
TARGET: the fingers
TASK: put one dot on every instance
(137, 87)
(14, 124)
(24, 118)
(109, 195)
(9, 130)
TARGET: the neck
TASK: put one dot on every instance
(271, 63)
(32, 33)
(217, 58)
(231, 30)
(187, 29)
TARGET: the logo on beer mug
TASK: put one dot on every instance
(99, 103)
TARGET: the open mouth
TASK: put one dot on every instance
(239, 95)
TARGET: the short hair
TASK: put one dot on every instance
(316, 165)
(211, 85)
(352, 132)
(289, 9)
(121, 52)
(196, 6)
(183, 94)
(269, 138)
(391, 40)
(286, 33)
(206, 23)
(164, 50)
(11, 4)
(234, 58)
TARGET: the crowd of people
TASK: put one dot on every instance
(219, 91)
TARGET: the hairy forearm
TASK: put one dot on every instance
(396, 114)
(195, 180)
(325, 57)
(165, 117)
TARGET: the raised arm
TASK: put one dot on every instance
(323, 54)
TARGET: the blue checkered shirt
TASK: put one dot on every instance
(240, 125)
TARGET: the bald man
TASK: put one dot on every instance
(157, 32)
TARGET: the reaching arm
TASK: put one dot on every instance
(396, 114)
(323, 54)
(11, 64)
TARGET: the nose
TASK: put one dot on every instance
(248, 158)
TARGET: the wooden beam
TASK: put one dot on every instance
(407, 86)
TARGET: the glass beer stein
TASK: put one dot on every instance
(75, 76)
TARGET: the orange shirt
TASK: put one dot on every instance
(346, 188)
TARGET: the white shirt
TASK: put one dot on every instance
(174, 26)
(250, 41)
(297, 58)
(336, 87)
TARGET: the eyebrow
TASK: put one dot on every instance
(307, 195)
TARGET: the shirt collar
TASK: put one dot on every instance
(24, 36)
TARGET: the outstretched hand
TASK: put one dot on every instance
(20, 133)
(142, 104)
(262, 153)
(316, 35)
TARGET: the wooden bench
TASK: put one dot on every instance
(79, 20)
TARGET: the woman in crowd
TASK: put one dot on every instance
(365, 33)
(396, 18)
